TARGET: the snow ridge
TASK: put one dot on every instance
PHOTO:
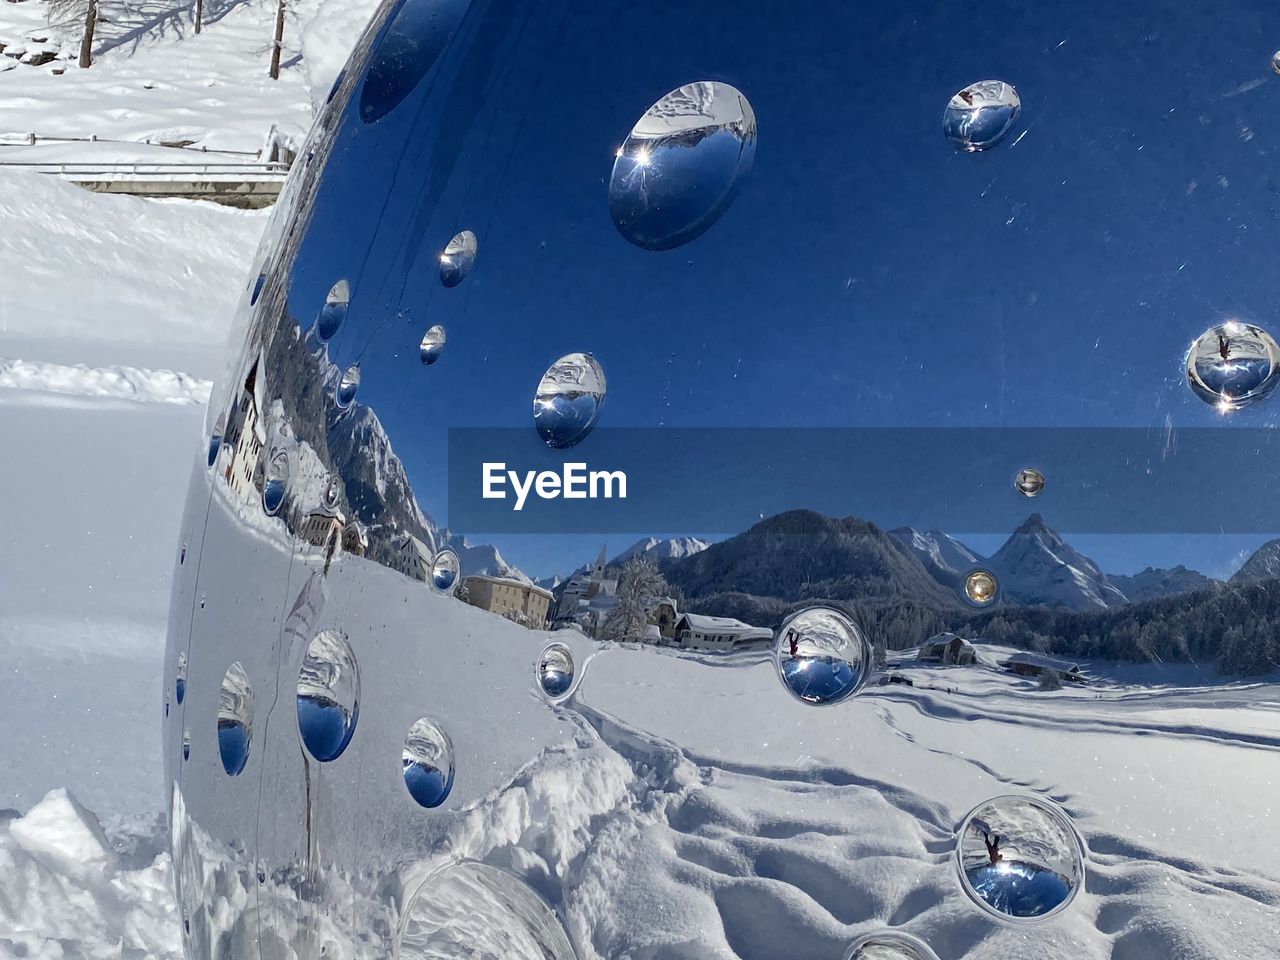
(110, 383)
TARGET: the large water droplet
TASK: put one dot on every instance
(347, 387)
(682, 164)
(444, 571)
(1233, 365)
(1275, 61)
(428, 763)
(889, 945)
(432, 345)
(180, 682)
(980, 587)
(277, 484)
(979, 116)
(415, 34)
(334, 311)
(822, 656)
(328, 695)
(1019, 858)
(1029, 482)
(555, 670)
(235, 719)
(567, 404)
(458, 258)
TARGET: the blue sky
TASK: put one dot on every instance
(867, 274)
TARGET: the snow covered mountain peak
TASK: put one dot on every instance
(942, 554)
(1036, 566)
(671, 548)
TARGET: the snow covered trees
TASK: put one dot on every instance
(640, 581)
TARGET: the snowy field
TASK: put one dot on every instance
(788, 842)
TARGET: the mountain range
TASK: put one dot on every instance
(672, 548)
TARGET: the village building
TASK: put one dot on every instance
(1027, 664)
(664, 614)
(514, 599)
(355, 541)
(695, 631)
(947, 649)
(412, 557)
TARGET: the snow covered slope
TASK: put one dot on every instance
(942, 554)
(1036, 566)
(1263, 565)
(671, 548)
(482, 559)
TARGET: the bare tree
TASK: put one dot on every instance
(199, 15)
(277, 42)
(66, 12)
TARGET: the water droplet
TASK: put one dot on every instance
(567, 404)
(428, 763)
(186, 744)
(458, 258)
(555, 670)
(1275, 61)
(822, 656)
(444, 571)
(1019, 858)
(180, 683)
(472, 910)
(979, 116)
(333, 491)
(1233, 365)
(432, 345)
(980, 587)
(258, 283)
(334, 311)
(235, 719)
(166, 704)
(182, 556)
(215, 440)
(889, 945)
(277, 483)
(1029, 482)
(415, 33)
(328, 695)
(347, 387)
(682, 164)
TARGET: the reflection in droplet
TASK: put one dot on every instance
(186, 744)
(889, 945)
(472, 911)
(328, 695)
(980, 587)
(180, 683)
(567, 404)
(432, 345)
(334, 311)
(258, 284)
(1029, 482)
(444, 571)
(277, 483)
(822, 656)
(1233, 365)
(332, 491)
(415, 33)
(215, 440)
(555, 670)
(682, 164)
(235, 719)
(978, 117)
(1019, 858)
(458, 258)
(428, 763)
(1275, 61)
(347, 387)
